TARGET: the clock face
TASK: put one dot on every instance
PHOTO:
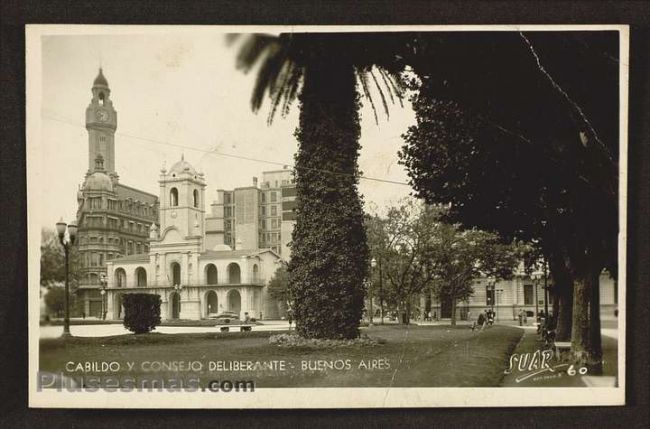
(102, 115)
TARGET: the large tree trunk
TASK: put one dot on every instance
(563, 299)
(594, 326)
(453, 312)
(585, 340)
(329, 251)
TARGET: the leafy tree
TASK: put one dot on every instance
(279, 285)
(408, 252)
(55, 300)
(462, 256)
(53, 260)
(329, 251)
(520, 141)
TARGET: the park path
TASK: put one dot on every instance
(118, 329)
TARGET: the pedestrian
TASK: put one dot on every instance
(480, 322)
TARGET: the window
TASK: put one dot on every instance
(274, 210)
(227, 211)
(263, 211)
(173, 197)
(141, 277)
(274, 223)
(274, 197)
(234, 274)
(211, 274)
(529, 298)
(263, 197)
(195, 195)
(489, 295)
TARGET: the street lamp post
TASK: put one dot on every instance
(102, 292)
(536, 276)
(373, 264)
(67, 243)
(546, 289)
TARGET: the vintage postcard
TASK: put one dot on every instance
(326, 217)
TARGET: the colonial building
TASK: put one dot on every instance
(508, 297)
(114, 219)
(188, 264)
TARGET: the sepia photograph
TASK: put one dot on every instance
(326, 217)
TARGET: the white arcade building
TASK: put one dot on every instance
(192, 281)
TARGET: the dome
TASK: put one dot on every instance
(100, 80)
(182, 166)
(98, 181)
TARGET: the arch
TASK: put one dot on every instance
(174, 305)
(195, 198)
(234, 301)
(211, 274)
(234, 273)
(176, 273)
(173, 197)
(118, 308)
(120, 277)
(256, 273)
(211, 303)
(170, 233)
(140, 277)
(102, 98)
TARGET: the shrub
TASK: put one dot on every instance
(141, 312)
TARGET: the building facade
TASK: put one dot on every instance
(508, 297)
(196, 276)
(113, 219)
(259, 216)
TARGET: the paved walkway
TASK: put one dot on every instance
(115, 329)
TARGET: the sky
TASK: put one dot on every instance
(180, 89)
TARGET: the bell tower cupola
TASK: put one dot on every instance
(182, 206)
(101, 123)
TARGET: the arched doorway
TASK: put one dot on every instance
(118, 308)
(176, 273)
(120, 277)
(175, 305)
(256, 273)
(211, 275)
(211, 303)
(234, 302)
(141, 277)
(234, 274)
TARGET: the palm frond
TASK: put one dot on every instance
(395, 81)
(381, 93)
(267, 78)
(253, 49)
(363, 79)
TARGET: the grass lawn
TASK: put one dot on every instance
(418, 356)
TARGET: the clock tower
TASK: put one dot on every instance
(101, 122)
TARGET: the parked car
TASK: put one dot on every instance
(225, 317)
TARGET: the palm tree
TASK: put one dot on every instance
(323, 71)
